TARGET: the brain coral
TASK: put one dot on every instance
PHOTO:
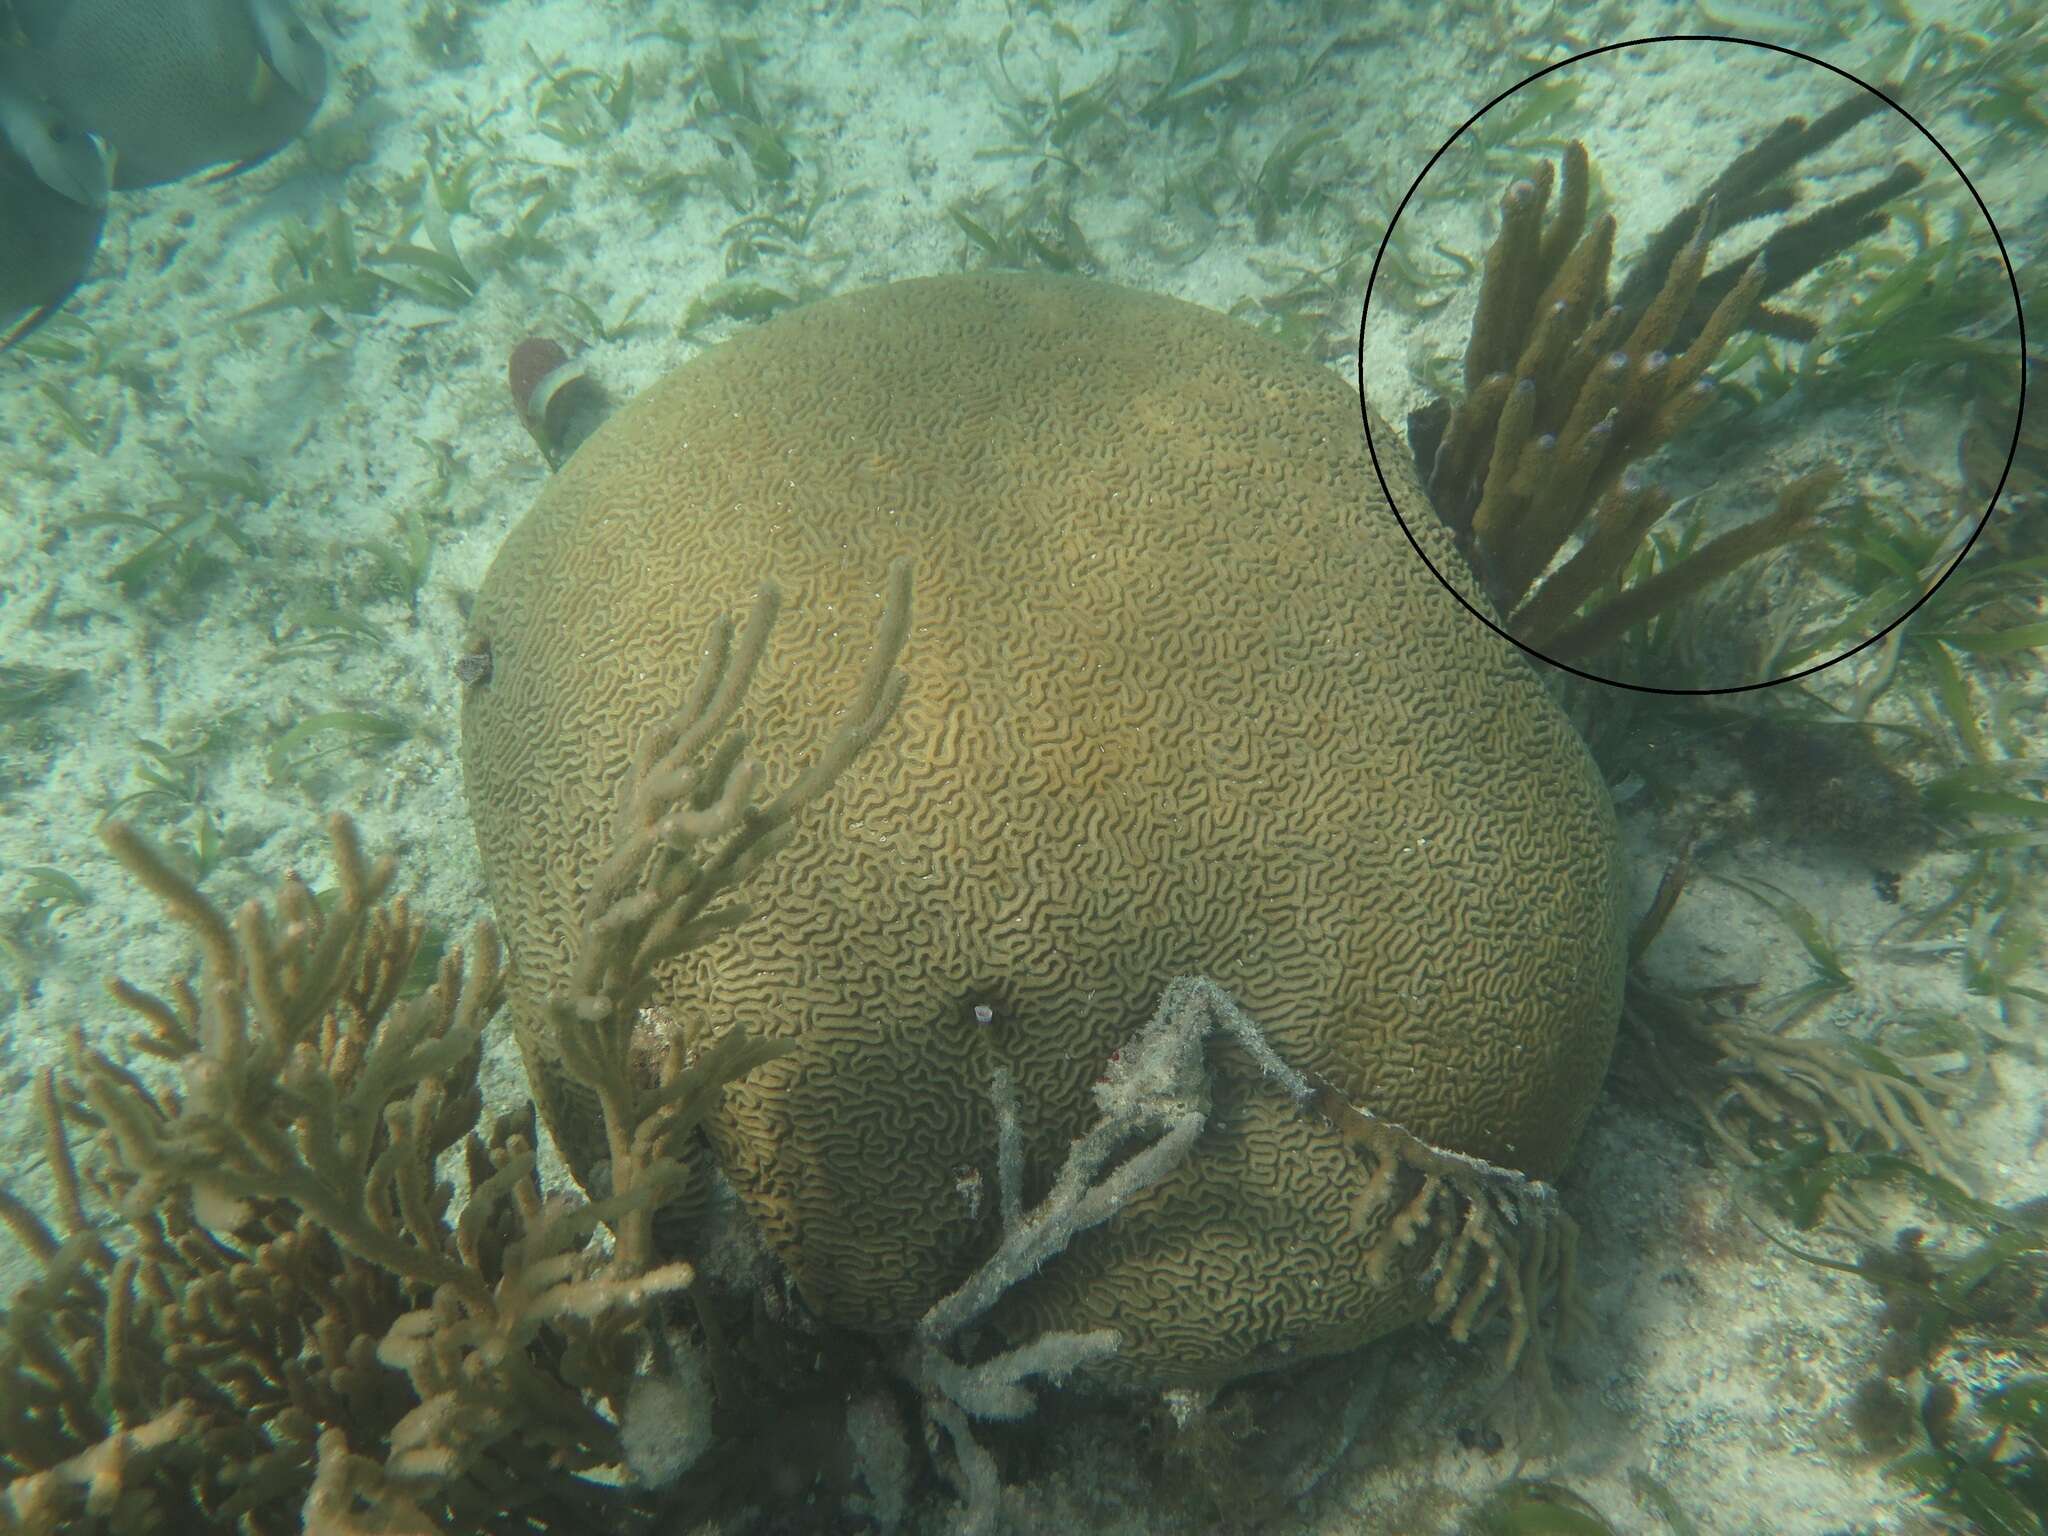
(1181, 700)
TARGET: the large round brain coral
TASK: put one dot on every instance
(1181, 699)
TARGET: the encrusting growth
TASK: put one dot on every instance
(1567, 385)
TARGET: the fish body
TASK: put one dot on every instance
(289, 47)
(54, 181)
(176, 86)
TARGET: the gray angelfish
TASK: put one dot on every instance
(54, 181)
(176, 86)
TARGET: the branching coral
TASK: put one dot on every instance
(687, 834)
(289, 1237)
(1753, 1088)
(1566, 386)
(295, 1278)
(300, 1327)
(1502, 1245)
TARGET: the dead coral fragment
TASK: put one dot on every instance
(1154, 1097)
(1566, 386)
(1503, 1245)
(1156, 1085)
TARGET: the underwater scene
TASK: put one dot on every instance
(972, 766)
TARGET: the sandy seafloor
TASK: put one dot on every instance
(1717, 1365)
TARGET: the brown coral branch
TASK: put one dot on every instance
(687, 834)
(89, 1483)
(1748, 187)
(269, 1112)
(1574, 197)
(1750, 1086)
(351, 1496)
(1798, 504)
(1626, 514)
(63, 1171)
(1501, 325)
(28, 1228)
(1564, 391)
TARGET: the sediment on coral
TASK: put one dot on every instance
(1567, 385)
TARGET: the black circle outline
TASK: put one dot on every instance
(2019, 319)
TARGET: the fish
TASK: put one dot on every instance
(289, 47)
(55, 180)
(175, 87)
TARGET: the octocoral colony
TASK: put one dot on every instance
(1566, 387)
(297, 1334)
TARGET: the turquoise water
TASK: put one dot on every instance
(253, 472)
